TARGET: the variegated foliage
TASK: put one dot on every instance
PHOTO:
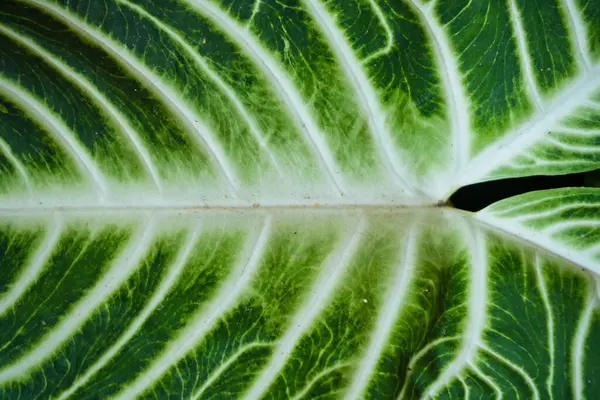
(247, 199)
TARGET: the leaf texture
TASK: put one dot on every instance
(190, 101)
(277, 304)
(238, 199)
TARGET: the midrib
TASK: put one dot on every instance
(16, 209)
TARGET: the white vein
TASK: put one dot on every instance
(300, 395)
(517, 369)
(562, 225)
(7, 151)
(417, 356)
(549, 322)
(387, 318)
(524, 57)
(578, 350)
(458, 102)
(255, 10)
(529, 217)
(486, 379)
(165, 286)
(539, 167)
(577, 148)
(32, 107)
(521, 206)
(389, 35)
(365, 93)
(282, 85)
(216, 374)
(543, 238)
(120, 270)
(519, 139)
(565, 130)
(333, 271)
(465, 386)
(208, 316)
(214, 76)
(163, 91)
(476, 311)
(578, 34)
(34, 268)
(100, 100)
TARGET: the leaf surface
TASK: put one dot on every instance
(204, 198)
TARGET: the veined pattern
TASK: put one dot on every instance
(202, 103)
(221, 199)
(279, 304)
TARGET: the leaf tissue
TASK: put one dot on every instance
(216, 199)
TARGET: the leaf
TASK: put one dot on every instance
(206, 199)
(564, 221)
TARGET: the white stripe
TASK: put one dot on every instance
(541, 239)
(333, 272)
(416, 357)
(524, 56)
(538, 125)
(532, 217)
(78, 200)
(54, 125)
(420, 354)
(549, 323)
(486, 379)
(204, 321)
(208, 70)
(477, 316)
(562, 225)
(389, 35)
(5, 148)
(366, 96)
(451, 80)
(517, 369)
(578, 349)
(302, 393)
(386, 321)
(122, 267)
(34, 267)
(255, 10)
(166, 285)
(465, 386)
(577, 33)
(223, 367)
(169, 96)
(576, 148)
(281, 83)
(503, 212)
(538, 166)
(565, 130)
(100, 100)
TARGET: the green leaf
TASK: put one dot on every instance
(210, 198)
(564, 221)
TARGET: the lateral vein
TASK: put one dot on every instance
(365, 92)
(55, 126)
(458, 101)
(100, 100)
(282, 86)
(169, 97)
